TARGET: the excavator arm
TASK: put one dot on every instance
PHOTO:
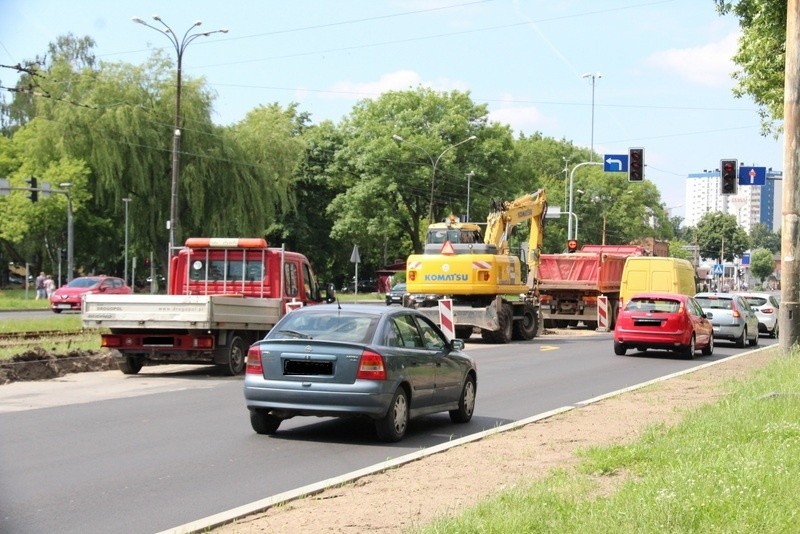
(507, 214)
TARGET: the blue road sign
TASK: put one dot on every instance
(718, 269)
(615, 163)
(752, 175)
(745, 259)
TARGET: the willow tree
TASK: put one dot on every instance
(118, 118)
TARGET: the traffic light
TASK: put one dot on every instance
(729, 182)
(34, 187)
(635, 164)
(572, 246)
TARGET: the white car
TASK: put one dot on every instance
(766, 306)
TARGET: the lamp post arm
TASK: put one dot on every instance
(433, 174)
(571, 183)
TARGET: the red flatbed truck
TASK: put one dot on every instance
(224, 294)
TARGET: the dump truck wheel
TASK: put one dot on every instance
(526, 327)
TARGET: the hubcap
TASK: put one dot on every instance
(400, 414)
(469, 398)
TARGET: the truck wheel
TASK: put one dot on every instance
(526, 327)
(237, 352)
(463, 332)
(130, 365)
(264, 423)
(505, 319)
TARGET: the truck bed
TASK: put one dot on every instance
(180, 311)
(581, 271)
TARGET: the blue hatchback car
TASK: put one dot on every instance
(389, 364)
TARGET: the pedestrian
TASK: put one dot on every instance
(49, 286)
(41, 292)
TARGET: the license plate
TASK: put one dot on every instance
(63, 306)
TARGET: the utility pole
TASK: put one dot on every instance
(789, 316)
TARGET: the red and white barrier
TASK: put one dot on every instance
(293, 305)
(446, 318)
(602, 314)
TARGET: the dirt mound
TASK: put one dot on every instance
(37, 364)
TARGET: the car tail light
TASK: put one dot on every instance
(254, 361)
(371, 366)
(735, 313)
(767, 310)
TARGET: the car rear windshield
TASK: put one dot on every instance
(756, 301)
(714, 303)
(654, 305)
(336, 326)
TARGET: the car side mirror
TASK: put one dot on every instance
(330, 293)
(708, 315)
(457, 344)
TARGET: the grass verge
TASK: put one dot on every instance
(727, 467)
(18, 299)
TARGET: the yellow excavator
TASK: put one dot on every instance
(486, 282)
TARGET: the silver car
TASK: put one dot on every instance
(389, 364)
(731, 316)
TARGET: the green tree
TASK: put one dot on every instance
(677, 249)
(761, 56)
(388, 185)
(307, 227)
(611, 210)
(545, 158)
(118, 120)
(762, 263)
(719, 235)
(761, 235)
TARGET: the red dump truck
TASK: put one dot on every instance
(224, 294)
(569, 284)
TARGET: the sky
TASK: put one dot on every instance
(603, 74)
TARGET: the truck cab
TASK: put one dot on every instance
(244, 267)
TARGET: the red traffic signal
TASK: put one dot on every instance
(572, 246)
(635, 164)
(728, 173)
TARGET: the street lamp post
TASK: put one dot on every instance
(180, 46)
(434, 163)
(470, 174)
(571, 183)
(67, 187)
(594, 77)
(126, 200)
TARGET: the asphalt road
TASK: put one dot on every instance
(107, 452)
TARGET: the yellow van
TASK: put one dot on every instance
(650, 273)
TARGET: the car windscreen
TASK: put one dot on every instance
(84, 282)
(330, 326)
(660, 305)
(756, 301)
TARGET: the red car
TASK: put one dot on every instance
(70, 296)
(664, 321)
